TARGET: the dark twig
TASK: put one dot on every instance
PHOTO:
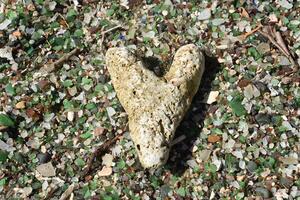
(103, 33)
(279, 43)
(290, 57)
(273, 41)
(99, 152)
(51, 193)
(54, 66)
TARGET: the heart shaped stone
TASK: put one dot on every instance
(155, 105)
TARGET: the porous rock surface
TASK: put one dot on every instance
(155, 105)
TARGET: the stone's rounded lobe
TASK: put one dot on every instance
(155, 105)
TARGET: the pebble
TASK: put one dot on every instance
(68, 192)
(261, 86)
(263, 192)
(44, 157)
(46, 169)
(52, 5)
(99, 131)
(88, 17)
(283, 61)
(70, 116)
(5, 24)
(286, 182)
(230, 144)
(204, 155)
(242, 164)
(116, 150)
(194, 149)
(80, 97)
(285, 4)
(251, 166)
(263, 118)
(26, 191)
(110, 111)
(105, 171)
(72, 91)
(192, 163)
(242, 25)
(212, 97)
(33, 143)
(165, 12)
(204, 14)
(20, 105)
(6, 147)
(45, 185)
(263, 48)
(164, 190)
(273, 18)
(217, 21)
(248, 92)
(107, 160)
(238, 154)
(289, 160)
(265, 173)
(150, 34)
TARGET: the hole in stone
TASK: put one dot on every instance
(153, 64)
(134, 92)
(138, 147)
(162, 130)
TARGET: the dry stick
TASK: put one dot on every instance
(113, 28)
(68, 191)
(59, 62)
(51, 193)
(273, 42)
(107, 31)
(283, 49)
(251, 32)
(281, 42)
(98, 152)
(63, 18)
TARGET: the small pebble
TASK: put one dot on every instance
(204, 14)
(165, 13)
(46, 169)
(262, 192)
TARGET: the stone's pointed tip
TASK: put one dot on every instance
(149, 164)
(153, 158)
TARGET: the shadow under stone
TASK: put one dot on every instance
(192, 123)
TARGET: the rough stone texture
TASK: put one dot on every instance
(155, 105)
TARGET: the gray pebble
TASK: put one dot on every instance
(286, 182)
(263, 118)
(263, 192)
(251, 166)
(44, 157)
(261, 86)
